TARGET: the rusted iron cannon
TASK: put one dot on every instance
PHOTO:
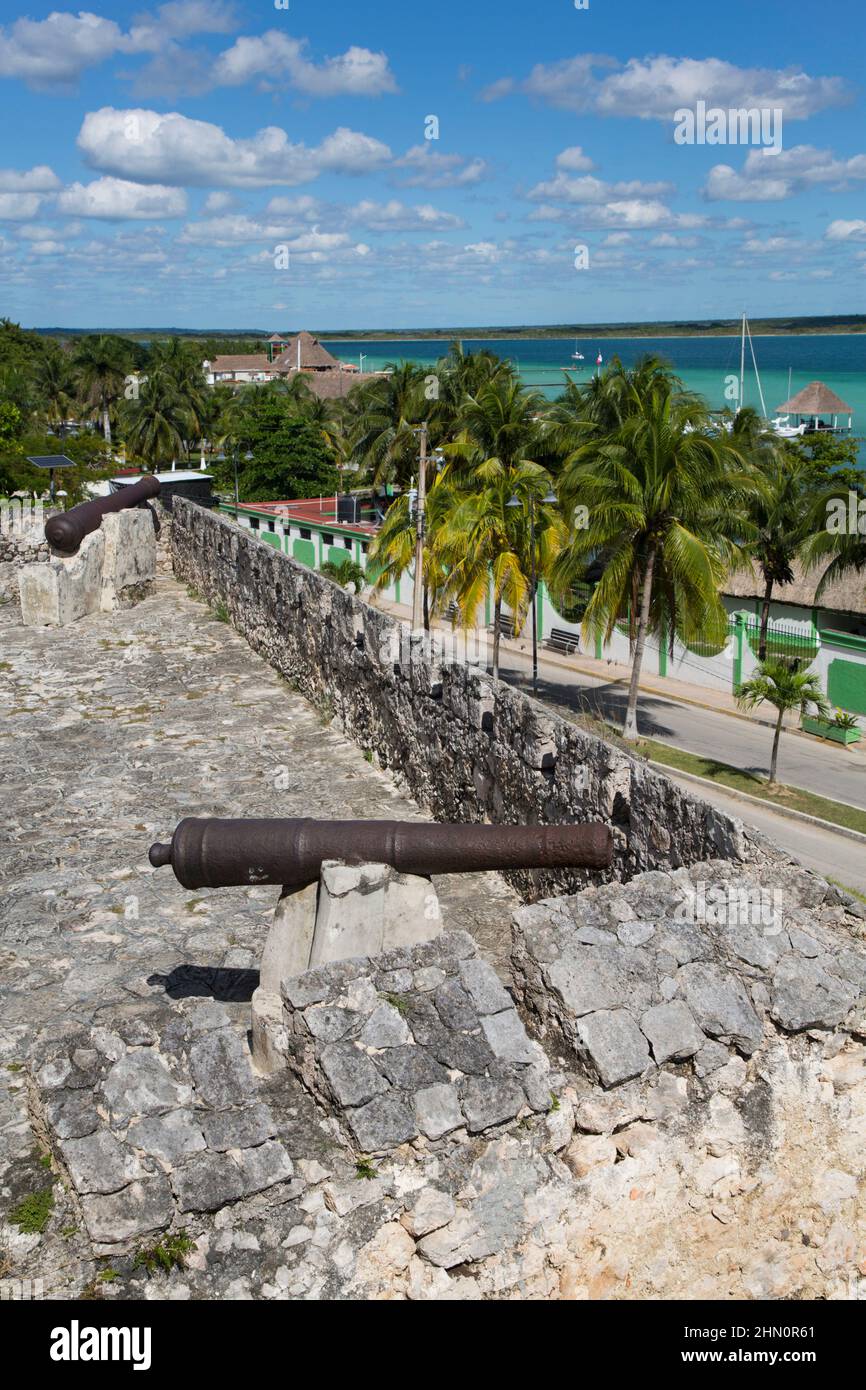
(211, 853)
(66, 531)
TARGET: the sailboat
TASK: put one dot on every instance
(779, 425)
(577, 355)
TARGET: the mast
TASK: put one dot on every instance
(742, 362)
(757, 375)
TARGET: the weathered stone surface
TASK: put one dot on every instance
(721, 1005)
(207, 1182)
(806, 996)
(135, 1210)
(484, 987)
(461, 1241)
(432, 1210)
(351, 1075)
(507, 1037)
(382, 1123)
(170, 1138)
(437, 1110)
(238, 1129)
(411, 1067)
(385, 1028)
(672, 1031)
(614, 1044)
(99, 1163)
(141, 1084)
(489, 1101)
(220, 1067)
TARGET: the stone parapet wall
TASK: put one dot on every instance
(468, 747)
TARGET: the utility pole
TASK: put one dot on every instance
(418, 591)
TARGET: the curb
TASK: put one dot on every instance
(787, 812)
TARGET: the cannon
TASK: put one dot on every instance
(214, 853)
(66, 531)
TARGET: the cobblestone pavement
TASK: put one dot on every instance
(112, 731)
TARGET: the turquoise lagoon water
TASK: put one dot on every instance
(837, 359)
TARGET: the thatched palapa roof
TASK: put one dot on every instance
(847, 594)
(815, 399)
(313, 355)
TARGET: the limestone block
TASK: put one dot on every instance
(65, 588)
(130, 554)
(290, 939)
(365, 909)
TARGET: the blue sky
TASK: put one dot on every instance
(207, 164)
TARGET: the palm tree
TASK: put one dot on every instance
(345, 573)
(664, 510)
(160, 421)
(480, 537)
(101, 364)
(54, 383)
(780, 514)
(382, 417)
(787, 688)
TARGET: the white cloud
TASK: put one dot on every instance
(667, 239)
(19, 207)
(283, 216)
(397, 216)
(768, 178)
(118, 199)
(39, 179)
(219, 202)
(841, 230)
(429, 169)
(589, 189)
(724, 184)
(656, 87)
(179, 19)
(274, 56)
(617, 239)
(56, 50)
(573, 160)
(770, 246)
(174, 149)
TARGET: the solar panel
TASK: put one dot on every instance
(50, 461)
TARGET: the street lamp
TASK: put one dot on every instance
(515, 501)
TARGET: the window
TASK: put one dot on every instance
(271, 526)
(305, 534)
(364, 547)
(347, 543)
(254, 523)
(326, 539)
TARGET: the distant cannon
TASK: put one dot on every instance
(67, 530)
(211, 853)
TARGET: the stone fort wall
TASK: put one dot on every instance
(468, 747)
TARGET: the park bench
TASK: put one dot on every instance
(561, 641)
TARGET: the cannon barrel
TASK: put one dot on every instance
(66, 531)
(211, 853)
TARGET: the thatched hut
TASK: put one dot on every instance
(815, 402)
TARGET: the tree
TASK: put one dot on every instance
(787, 688)
(290, 459)
(662, 496)
(159, 422)
(101, 362)
(780, 513)
(55, 389)
(383, 417)
(345, 573)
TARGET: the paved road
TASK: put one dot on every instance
(832, 856)
(824, 768)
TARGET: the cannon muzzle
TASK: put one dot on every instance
(66, 531)
(211, 853)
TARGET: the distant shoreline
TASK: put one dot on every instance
(844, 326)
